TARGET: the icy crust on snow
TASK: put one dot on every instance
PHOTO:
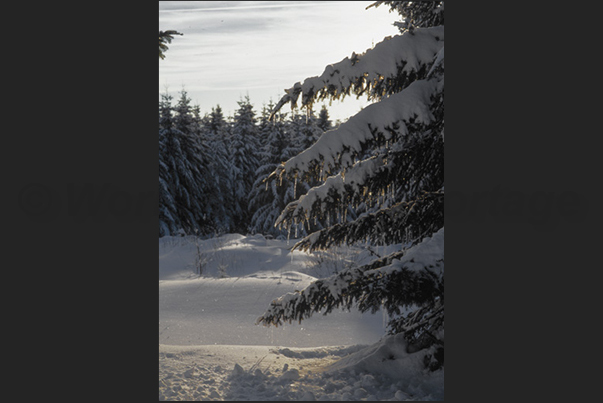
(321, 352)
(401, 54)
(339, 147)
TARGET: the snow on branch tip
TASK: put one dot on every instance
(381, 71)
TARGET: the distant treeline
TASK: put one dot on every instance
(212, 168)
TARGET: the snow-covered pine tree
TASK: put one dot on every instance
(266, 203)
(267, 200)
(184, 168)
(216, 129)
(244, 148)
(304, 128)
(169, 222)
(304, 131)
(324, 123)
(389, 156)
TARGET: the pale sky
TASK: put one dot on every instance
(231, 49)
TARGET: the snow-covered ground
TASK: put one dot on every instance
(211, 349)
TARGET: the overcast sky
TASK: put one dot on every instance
(258, 48)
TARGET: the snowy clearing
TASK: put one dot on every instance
(211, 349)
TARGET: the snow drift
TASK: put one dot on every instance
(210, 348)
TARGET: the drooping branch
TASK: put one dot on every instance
(338, 148)
(384, 70)
(166, 37)
(415, 278)
(399, 223)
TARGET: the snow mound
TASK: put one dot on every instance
(388, 360)
(302, 353)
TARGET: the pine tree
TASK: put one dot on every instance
(217, 131)
(184, 120)
(324, 123)
(388, 157)
(304, 128)
(244, 148)
(267, 200)
(184, 184)
(169, 222)
(165, 38)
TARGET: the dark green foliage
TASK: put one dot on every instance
(400, 223)
(324, 123)
(416, 13)
(165, 37)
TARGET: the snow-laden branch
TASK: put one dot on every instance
(390, 225)
(333, 191)
(386, 69)
(338, 148)
(417, 278)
